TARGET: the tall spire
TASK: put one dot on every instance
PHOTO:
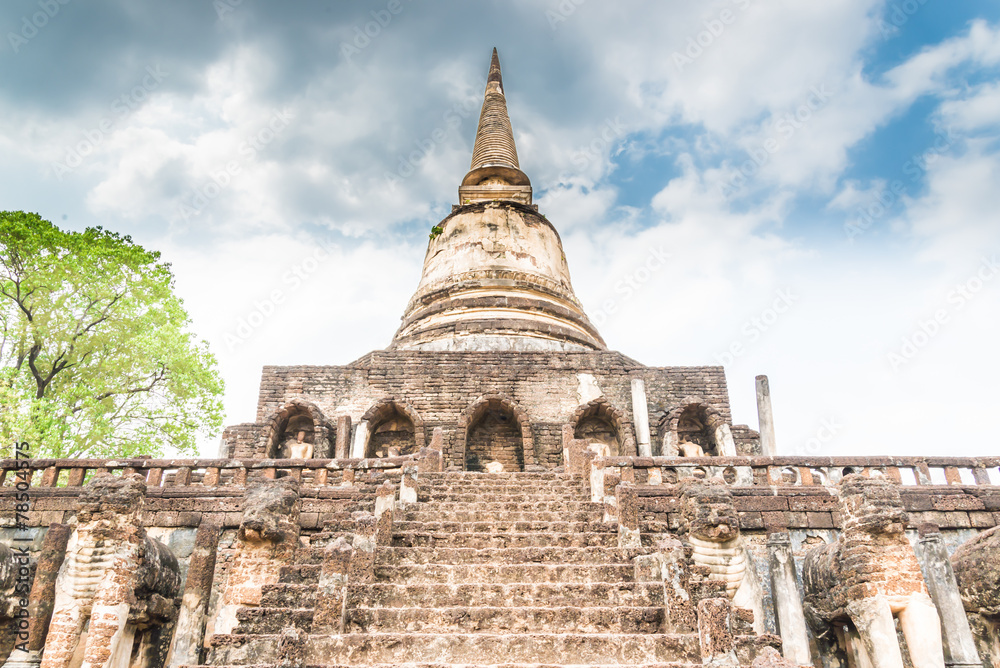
(495, 71)
(495, 172)
(495, 276)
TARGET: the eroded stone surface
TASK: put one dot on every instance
(267, 539)
(977, 569)
(115, 577)
(871, 575)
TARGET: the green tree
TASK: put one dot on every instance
(96, 356)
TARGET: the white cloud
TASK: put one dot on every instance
(412, 119)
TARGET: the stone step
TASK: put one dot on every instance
(560, 506)
(506, 620)
(501, 526)
(299, 574)
(283, 595)
(504, 573)
(390, 595)
(445, 539)
(486, 496)
(482, 477)
(337, 527)
(548, 489)
(309, 554)
(510, 555)
(480, 648)
(672, 664)
(491, 481)
(425, 513)
(264, 620)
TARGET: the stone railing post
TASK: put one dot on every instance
(959, 644)
(362, 566)
(41, 600)
(385, 510)
(715, 632)
(331, 599)
(628, 516)
(77, 475)
(190, 631)
(342, 446)
(787, 599)
(408, 486)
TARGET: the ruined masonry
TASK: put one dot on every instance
(498, 488)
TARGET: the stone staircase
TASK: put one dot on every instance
(508, 569)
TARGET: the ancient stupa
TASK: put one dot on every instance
(497, 488)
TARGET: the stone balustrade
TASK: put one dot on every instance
(802, 471)
(195, 472)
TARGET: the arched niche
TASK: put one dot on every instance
(297, 415)
(696, 426)
(494, 429)
(394, 429)
(605, 427)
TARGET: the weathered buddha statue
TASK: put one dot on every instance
(298, 447)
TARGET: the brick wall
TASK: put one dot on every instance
(548, 387)
(762, 508)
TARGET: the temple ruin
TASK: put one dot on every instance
(498, 488)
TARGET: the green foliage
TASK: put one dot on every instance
(436, 231)
(96, 359)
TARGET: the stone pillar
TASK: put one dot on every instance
(190, 633)
(342, 448)
(568, 434)
(725, 440)
(332, 595)
(431, 458)
(628, 516)
(577, 457)
(668, 565)
(596, 482)
(959, 643)
(437, 439)
(385, 509)
(670, 445)
(266, 541)
(42, 597)
(787, 599)
(408, 486)
(362, 566)
(715, 632)
(640, 415)
(360, 440)
(765, 418)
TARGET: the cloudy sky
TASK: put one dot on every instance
(824, 178)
